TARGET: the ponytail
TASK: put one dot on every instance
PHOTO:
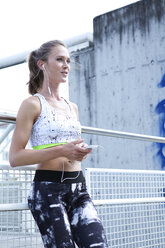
(36, 75)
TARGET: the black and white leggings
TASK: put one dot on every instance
(65, 214)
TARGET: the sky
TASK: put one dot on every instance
(25, 25)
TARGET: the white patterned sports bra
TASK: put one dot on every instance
(53, 127)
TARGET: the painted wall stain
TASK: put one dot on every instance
(136, 16)
(160, 110)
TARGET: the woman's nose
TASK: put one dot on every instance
(66, 65)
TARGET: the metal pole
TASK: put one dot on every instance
(102, 132)
(118, 134)
(20, 58)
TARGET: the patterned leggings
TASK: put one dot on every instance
(65, 214)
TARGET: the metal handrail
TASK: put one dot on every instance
(7, 117)
(20, 58)
(24, 206)
(119, 134)
(11, 118)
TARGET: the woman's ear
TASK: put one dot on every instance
(40, 64)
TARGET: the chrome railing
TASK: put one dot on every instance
(7, 117)
(11, 118)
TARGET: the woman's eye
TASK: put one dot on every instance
(63, 60)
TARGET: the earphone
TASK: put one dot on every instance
(43, 66)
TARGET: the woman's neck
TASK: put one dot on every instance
(51, 91)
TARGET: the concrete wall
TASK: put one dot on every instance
(118, 84)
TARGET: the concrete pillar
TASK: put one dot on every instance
(117, 85)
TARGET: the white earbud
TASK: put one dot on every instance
(49, 90)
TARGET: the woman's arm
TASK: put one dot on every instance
(18, 155)
(27, 114)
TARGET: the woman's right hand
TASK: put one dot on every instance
(73, 151)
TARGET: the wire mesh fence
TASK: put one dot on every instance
(128, 224)
(122, 184)
(17, 228)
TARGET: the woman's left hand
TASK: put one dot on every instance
(83, 145)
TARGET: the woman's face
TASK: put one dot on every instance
(58, 64)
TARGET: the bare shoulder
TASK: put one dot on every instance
(30, 108)
(31, 101)
(75, 107)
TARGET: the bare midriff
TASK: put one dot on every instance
(60, 164)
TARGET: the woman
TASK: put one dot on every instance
(58, 199)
